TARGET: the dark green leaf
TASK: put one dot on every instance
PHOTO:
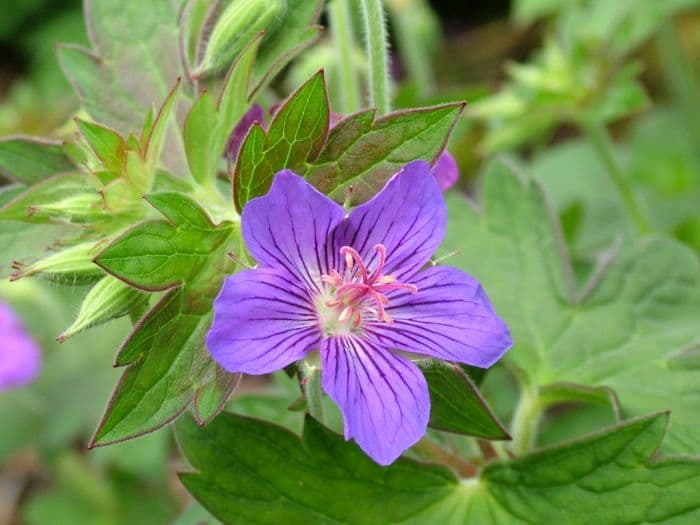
(295, 135)
(456, 405)
(30, 160)
(250, 471)
(361, 154)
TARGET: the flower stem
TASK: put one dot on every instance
(600, 139)
(311, 384)
(341, 25)
(526, 421)
(430, 450)
(409, 19)
(376, 42)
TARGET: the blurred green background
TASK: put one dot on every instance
(630, 65)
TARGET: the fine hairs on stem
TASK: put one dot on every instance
(344, 41)
(377, 45)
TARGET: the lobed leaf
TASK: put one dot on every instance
(620, 331)
(247, 470)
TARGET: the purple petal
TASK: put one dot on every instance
(449, 318)
(263, 321)
(253, 115)
(408, 217)
(445, 170)
(289, 229)
(383, 397)
(20, 357)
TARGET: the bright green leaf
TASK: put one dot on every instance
(295, 135)
(107, 144)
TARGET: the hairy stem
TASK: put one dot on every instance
(377, 52)
(600, 139)
(341, 26)
(409, 19)
(526, 421)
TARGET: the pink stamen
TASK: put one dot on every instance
(353, 290)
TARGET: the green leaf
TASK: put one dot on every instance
(208, 127)
(620, 330)
(456, 405)
(251, 471)
(30, 160)
(158, 255)
(107, 144)
(167, 362)
(361, 153)
(212, 397)
(197, 136)
(273, 477)
(134, 44)
(295, 135)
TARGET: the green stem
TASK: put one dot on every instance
(311, 383)
(526, 421)
(409, 19)
(341, 26)
(430, 450)
(376, 42)
(600, 139)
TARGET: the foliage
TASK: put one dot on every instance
(585, 239)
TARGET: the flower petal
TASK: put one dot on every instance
(445, 170)
(449, 318)
(20, 357)
(289, 227)
(263, 321)
(408, 217)
(384, 397)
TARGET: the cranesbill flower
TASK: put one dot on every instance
(20, 357)
(353, 286)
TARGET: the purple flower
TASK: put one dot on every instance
(20, 358)
(445, 170)
(353, 286)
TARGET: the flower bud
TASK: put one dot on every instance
(73, 265)
(108, 299)
(237, 26)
